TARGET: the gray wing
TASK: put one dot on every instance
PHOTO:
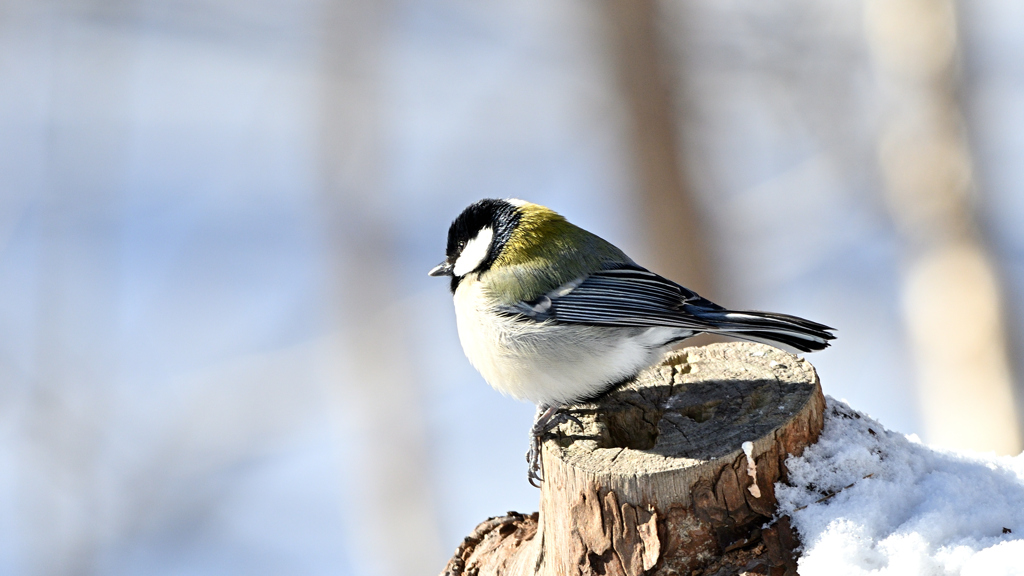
(633, 296)
(628, 296)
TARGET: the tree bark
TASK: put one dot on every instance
(672, 473)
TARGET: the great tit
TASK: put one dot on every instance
(550, 313)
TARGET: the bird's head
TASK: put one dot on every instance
(494, 232)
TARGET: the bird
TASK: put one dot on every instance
(553, 314)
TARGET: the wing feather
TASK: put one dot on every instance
(628, 296)
(635, 297)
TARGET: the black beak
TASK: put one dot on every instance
(442, 269)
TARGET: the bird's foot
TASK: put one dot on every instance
(534, 474)
(547, 419)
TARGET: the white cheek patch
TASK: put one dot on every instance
(474, 253)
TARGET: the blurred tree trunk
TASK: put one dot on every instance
(671, 216)
(391, 489)
(951, 294)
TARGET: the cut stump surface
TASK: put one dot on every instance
(672, 473)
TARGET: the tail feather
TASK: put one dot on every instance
(790, 333)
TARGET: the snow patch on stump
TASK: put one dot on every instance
(866, 500)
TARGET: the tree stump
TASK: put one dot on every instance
(672, 473)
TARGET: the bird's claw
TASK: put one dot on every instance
(534, 475)
(563, 417)
(547, 420)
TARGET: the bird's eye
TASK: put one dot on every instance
(462, 244)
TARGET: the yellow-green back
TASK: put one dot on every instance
(544, 252)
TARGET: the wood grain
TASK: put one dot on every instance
(656, 480)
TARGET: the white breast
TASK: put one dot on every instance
(549, 364)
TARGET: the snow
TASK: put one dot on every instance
(899, 507)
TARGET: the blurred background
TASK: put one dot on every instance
(220, 352)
